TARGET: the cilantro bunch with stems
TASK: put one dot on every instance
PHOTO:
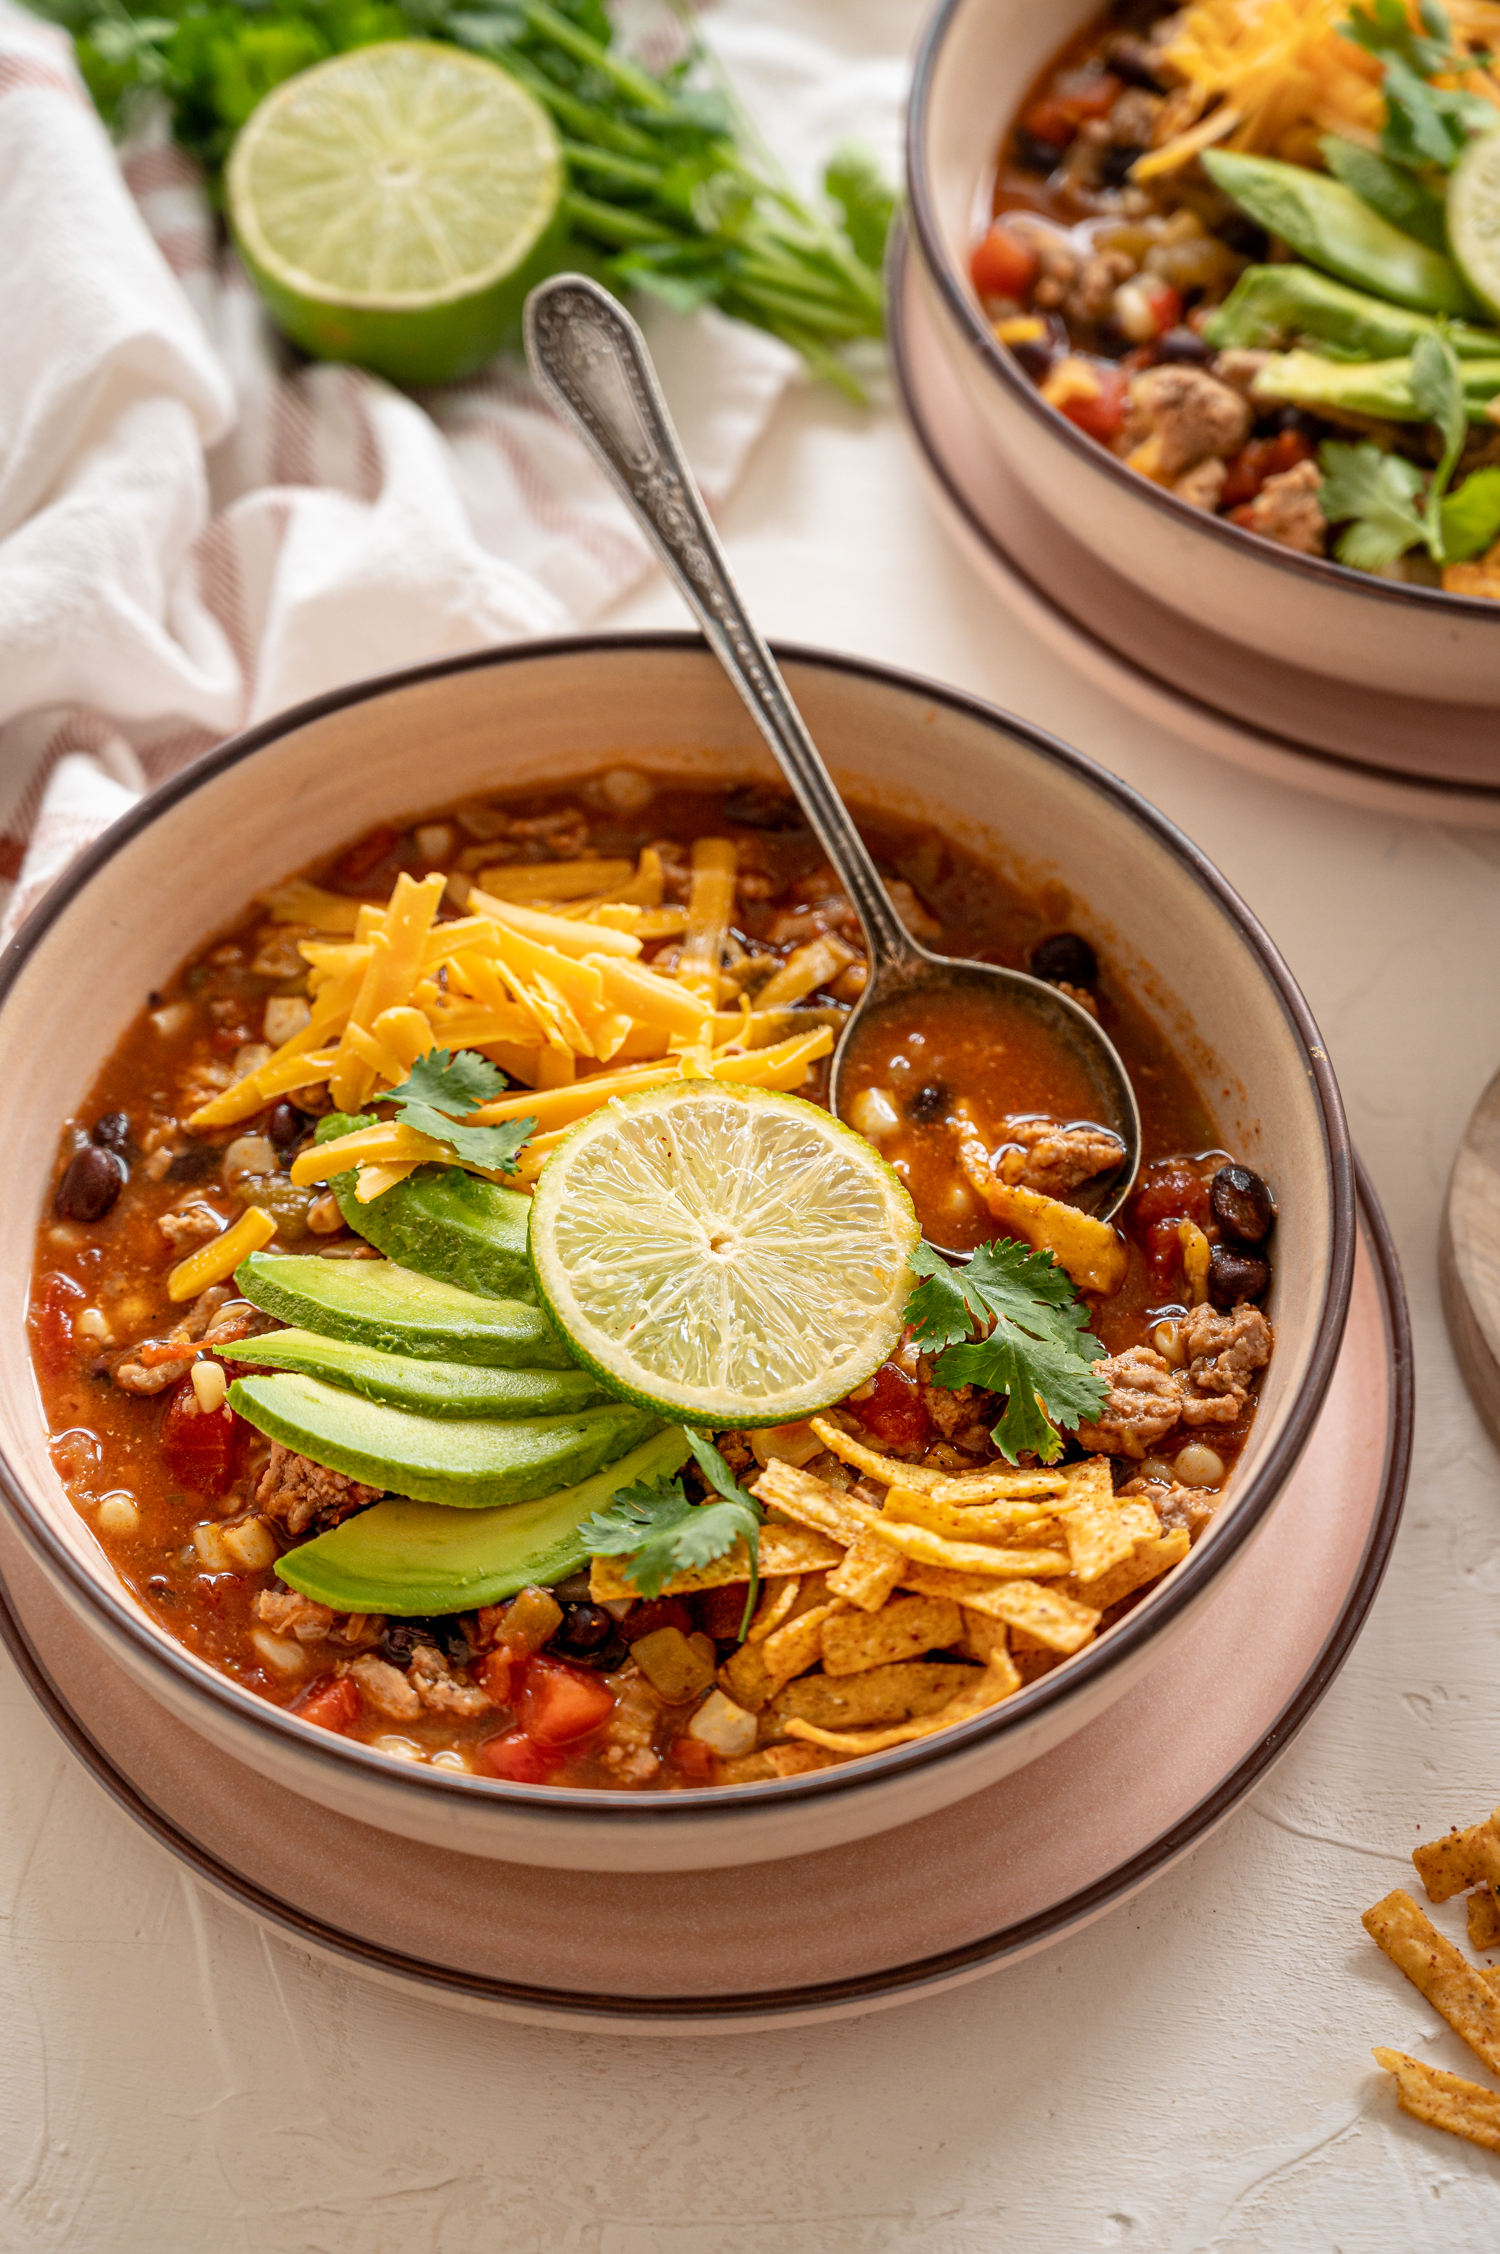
(669, 190)
(1384, 502)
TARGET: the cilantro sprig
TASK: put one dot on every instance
(663, 1532)
(447, 1082)
(1033, 1344)
(1424, 124)
(1383, 501)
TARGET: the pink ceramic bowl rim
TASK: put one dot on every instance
(889, 1981)
(1190, 1580)
(959, 299)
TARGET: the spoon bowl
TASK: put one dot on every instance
(591, 360)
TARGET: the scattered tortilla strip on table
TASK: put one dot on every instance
(1460, 1859)
(1056, 1620)
(812, 1502)
(896, 1693)
(1450, 1983)
(1444, 2101)
(1484, 1919)
(783, 1549)
(889, 1470)
(903, 1629)
(997, 1682)
(1152, 1558)
(869, 1572)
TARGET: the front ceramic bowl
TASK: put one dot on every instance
(266, 803)
(978, 60)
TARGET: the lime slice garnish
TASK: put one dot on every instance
(725, 1256)
(1474, 217)
(394, 205)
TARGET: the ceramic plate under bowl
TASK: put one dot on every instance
(1002, 1875)
(1367, 747)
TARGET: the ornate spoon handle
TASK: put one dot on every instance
(591, 359)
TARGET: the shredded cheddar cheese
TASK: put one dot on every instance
(558, 997)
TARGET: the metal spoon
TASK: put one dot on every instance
(591, 360)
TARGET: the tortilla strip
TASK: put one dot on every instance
(1097, 1540)
(1460, 1859)
(783, 1549)
(1021, 1522)
(812, 1502)
(745, 1677)
(904, 1629)
(887, 1469)
(774, 1761)
(998, 1486)
(997, 1682)
(1152, 1558)
(1057, 1621)
(1444, 2101)
(969, 1557)
(776, 1601)
(984, 1638)
(870, 1570)
(1484, 1919)
(1450, 1983)
(799, 1645)
(895, 1693)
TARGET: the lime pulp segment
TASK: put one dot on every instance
(732, 1257)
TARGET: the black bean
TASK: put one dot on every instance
(1243, 235)
(1032, 155)
(1242, 1204)
(930, 1102)
(1234, 1275)
(112, 1132)
(1067, 957)
(446, 1630)
(91, 1182)
(585, 1630)
(1036, 355)
(755, 807)
(195, 1162)
(286, 1126)
(1115, 163)
(575, 1590)
(1182, 348)
(1132, 60)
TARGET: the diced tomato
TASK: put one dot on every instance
(196, 1448)
(1164, 1254)
(1003, 265)
(558, 1703)
(52, 1322)
(1263, 458)
(1100, 411)
(519, 1759)
(1170, 1191)
(693, 1759)
(364, 857)
(500, 1672)
(656, 1612)
(332, 1704)
(893, 1410)
(1075, 95)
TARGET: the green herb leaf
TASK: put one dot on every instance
(1425, 124)
(866, 198)
(1373, 495)
(336, 1123)
(1035, 1346)
(446, 1081)
(1471, 516)
(1437, 386)
(664, 1533)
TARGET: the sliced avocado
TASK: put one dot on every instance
(438, 1389)
(472, 1463)
(375, 1303)
(418, 1558)
(448, 1224)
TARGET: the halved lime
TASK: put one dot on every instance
(725, 1256)
(1474, 217)
(395, 204)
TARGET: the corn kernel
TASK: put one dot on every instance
(209, 1385)
(251, 1545)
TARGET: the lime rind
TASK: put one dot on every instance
(727, 1257)
(1474, 217)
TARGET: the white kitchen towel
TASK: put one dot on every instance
(196, 532)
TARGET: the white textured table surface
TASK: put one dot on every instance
(1191, 2073)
